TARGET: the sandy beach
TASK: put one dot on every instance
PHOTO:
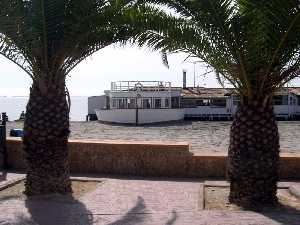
(202, 135)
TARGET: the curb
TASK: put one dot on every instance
(11, 183)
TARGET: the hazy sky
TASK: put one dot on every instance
(113, 63)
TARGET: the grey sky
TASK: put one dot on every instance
(113, 63)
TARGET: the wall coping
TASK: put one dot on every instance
(286, 155)
(116, 142)
(128, 142)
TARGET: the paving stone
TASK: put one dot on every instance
(295, 190)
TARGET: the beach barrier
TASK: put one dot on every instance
(149, 159)
(3, 150)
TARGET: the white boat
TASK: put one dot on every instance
(141, 102)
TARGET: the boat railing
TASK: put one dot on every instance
(127, 86)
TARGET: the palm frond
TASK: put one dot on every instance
(55, 35)
(253, 44)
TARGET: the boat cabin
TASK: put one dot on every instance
(141, 102)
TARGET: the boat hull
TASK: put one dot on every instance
(140, 116)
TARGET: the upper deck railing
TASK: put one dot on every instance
(126, 86)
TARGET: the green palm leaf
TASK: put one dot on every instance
(253, 44)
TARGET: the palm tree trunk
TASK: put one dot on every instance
(46, 131)
(253, 156)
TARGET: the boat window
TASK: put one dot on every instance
(167, 103)
(199, 102)
(175, 102)
(292, 101)
(122, 103)
(187, 103)
(280, 100)
(285, 100)
(107, 102)
(146, 103)
(157, 103)
(236, 100)
(131, 103)
(114, 103)
(218, 102)
(206, 102)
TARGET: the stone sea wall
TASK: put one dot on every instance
(164, 159)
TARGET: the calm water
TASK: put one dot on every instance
(202, 135)
(13, 106)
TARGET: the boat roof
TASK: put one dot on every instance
(202, 92)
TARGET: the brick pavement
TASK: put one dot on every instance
(132, 201)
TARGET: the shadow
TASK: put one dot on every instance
(172, 219)
(283, 214)
(136, 215)
(168, 124)
(54, 209)
(146, 178)
(3, 176)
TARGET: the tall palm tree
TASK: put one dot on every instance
(47, 39)
(255, 45)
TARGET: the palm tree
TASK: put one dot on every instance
(255, 45)
(47, 39)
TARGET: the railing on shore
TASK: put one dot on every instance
(3, 152)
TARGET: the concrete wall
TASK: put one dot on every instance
(147, 159)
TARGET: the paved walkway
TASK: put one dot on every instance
(129, 201)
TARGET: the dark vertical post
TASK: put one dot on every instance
(184, 80)
(3, 140)
(136, 112)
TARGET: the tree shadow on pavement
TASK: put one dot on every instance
(55, 209)
(172, 219)
(135, 215)
(138, 215)
(283, 214)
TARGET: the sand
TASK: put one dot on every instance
(79, 189)
(202, 135)
(216, 198)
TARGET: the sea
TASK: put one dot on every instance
(13, 106)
